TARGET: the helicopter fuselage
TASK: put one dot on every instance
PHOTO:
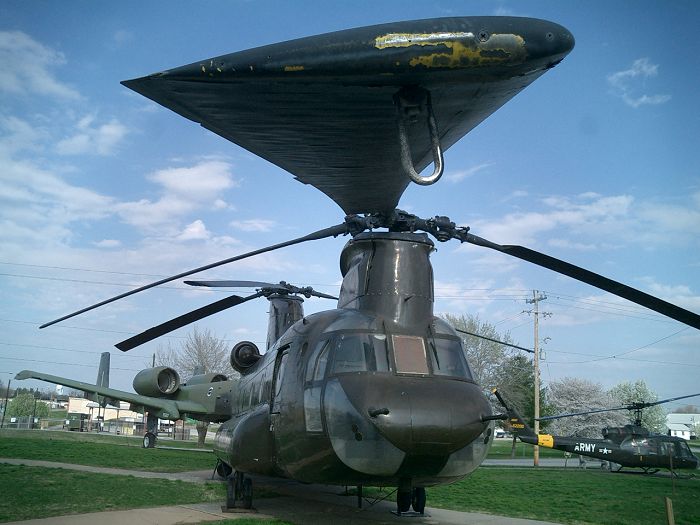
(377, 391)
(634, 450)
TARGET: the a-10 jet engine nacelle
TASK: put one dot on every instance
(157, 382)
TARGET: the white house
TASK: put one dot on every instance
(682, 425)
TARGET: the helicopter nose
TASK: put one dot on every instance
(403, 410)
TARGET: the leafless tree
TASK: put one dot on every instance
(202, 352)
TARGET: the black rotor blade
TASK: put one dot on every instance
(644, 405)
(183, 320)
(258, 284)
(230, 284)
(322, 295)
(586, 276)
(333, 231)
(560, 416)
(495, 340)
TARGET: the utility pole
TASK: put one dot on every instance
(536, 298)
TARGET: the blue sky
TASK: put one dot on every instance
(595, 163)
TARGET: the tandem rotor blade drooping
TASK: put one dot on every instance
(183, 320)
(591, 278)
(281, 288)
(333, 231)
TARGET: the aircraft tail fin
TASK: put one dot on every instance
(520, 427)
(103, 381)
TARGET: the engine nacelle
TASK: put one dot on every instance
(202, 379)
(244, 355)
(157, 382)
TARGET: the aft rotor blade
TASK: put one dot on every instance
(230, 284)
(333, 231)
(586, 276)
(323, 295)
(183, 320)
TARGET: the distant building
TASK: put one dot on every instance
(683, 425)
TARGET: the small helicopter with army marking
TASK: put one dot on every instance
(377, 391)
(629, 446)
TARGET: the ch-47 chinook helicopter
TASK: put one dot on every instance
(376, 391)
(630, 446)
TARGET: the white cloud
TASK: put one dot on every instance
(459, 176)
(627, 84)
(183, 190)
(90, 138)
(254, 225)
(194, 231)
(26, 67)
(108, 243)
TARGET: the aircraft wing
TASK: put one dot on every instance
(164, 408)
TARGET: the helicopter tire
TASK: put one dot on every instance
(223, 470)
(149, 440)
(418, 500)
(403, 500)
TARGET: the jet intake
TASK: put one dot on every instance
(157, 382)
(244, 355)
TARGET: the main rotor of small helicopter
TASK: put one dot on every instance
(637, 407)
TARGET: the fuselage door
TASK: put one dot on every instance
(280, 366)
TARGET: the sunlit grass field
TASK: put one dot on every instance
(570, 496)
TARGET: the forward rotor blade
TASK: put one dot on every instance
(333, 231)
(183, 320)
(586, 276)
(230, 284)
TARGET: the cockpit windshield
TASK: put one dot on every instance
(447, 358)
(360, 353)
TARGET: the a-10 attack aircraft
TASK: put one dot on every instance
(376, 391)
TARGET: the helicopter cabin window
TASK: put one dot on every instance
(360, 353)
(409, 353)
(447, 358)
(316, 369)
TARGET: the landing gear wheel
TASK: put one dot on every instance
(223, 470)
(403, 501)
(418, 500)
(149, 440)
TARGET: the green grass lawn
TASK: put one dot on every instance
(572, 496)
(37, 492)
(65, 448)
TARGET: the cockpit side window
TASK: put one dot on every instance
(447, 358)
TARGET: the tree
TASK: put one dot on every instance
(201, 352)
(626, 393)
(496, 365)
(486, 358)
(573, 394)
(25, 404)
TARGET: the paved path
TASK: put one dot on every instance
(299, 503)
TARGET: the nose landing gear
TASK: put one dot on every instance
(413, 498)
